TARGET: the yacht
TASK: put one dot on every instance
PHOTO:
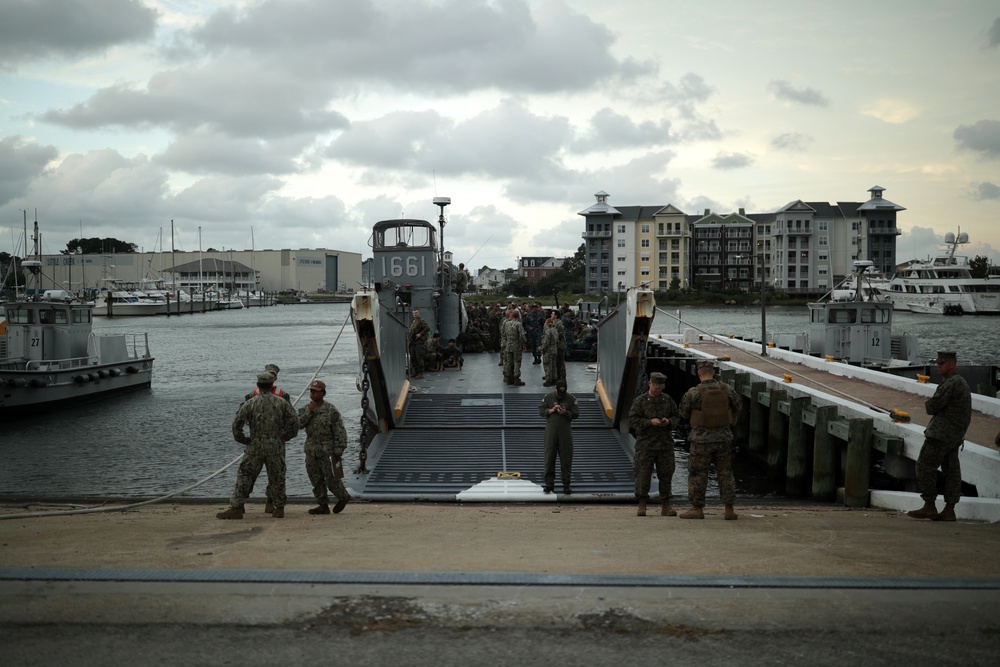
(944, 284)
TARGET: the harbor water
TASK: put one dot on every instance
(157, 441)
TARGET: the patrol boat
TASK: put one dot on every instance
(50, 357)
(461, 434)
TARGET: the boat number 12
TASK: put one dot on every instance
(412, 266)
(876, 341)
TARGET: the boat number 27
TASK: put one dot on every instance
(411, 266)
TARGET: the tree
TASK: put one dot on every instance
(96, 246)
(577, 263)
(979, 266)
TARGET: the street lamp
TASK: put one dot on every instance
(763, 303)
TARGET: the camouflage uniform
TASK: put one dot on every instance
(493, 320)
(432, 353)
(558, 437)
(951, 411)
(550, 355)
(416, 335)
(654, 445)
(272, 421)
(513, 341)
(326, 437)
(533, 321)
(709, 445)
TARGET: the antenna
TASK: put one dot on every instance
(441, 202)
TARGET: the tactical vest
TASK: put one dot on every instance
(714, 410)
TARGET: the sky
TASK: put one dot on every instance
(232, 124)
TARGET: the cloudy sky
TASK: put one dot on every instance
(309, 120)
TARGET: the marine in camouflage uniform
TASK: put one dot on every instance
(559, 409)
(551, 356)
(653, 417)
(709, 444)
(493, 321)
(533, 321)
(272, 421)
(326, 439)
(951, 412)
(433, 353)
(513, 342)
(416, 336)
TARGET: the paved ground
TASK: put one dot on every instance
(426, 584)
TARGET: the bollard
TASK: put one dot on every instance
(858, 470)
(825, 456)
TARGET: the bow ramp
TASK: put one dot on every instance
(463, 435)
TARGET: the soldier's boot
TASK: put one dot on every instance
(506, 379)
(693, 513)
(268, 506)
(278, 513)
(947, 514)
(323, 508)
(231, 513)
(339, 507)
(517, 382)
(665, 510)
(731, 514)
(928, 511)
(641, 511)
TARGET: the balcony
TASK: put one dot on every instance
(595, 235)
(884, 231)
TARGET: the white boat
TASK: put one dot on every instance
(50, 357)
(930, 308)
(944, 284)
(126, 299)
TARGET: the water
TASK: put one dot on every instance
(157, 441)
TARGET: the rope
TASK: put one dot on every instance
(783, 369)
(121, 508)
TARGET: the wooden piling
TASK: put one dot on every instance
(858, 469)
(826, 456)
(758, 420)
(797, 470)
(777, 435)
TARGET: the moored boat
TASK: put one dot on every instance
(50, 356)
(944, 284)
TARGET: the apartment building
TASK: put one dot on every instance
(802, 247)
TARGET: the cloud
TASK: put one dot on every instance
(732, 161)
(982, 137)
(610, 131)
(20, 164)
(994, 34)
(792, 141)
(890, 111)
(32, 30)
(783, 90)
(208, 153)
(506, 142)
(986, 191)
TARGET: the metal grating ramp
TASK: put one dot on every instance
(445, 444)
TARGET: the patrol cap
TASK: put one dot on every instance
(318, 384)
(272, 368)
(946, 356)
(657, 378)
(265, 378)
(560, 384)
(705, 363)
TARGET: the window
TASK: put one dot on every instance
(621, 243)
(823, 256)
(621, 229)
(823, 225)
(620, 258)
(645, 228)
(824, 241)
(644, 271)
(645, 243)
(644, 257)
